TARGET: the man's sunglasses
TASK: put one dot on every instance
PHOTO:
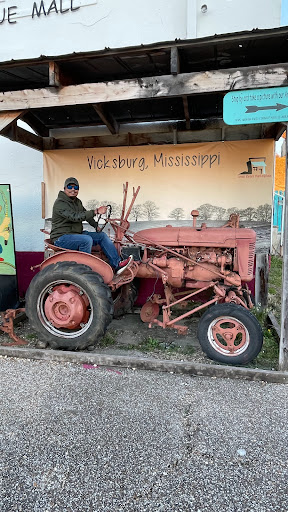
(76, 187)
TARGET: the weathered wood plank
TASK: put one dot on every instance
(35, 124)
(273, 320)
(150, 127)
(186, 112)
(13, 132)
(174, 61)
(54, 74)
(261, 279)
(152, 87)
(134, 139)
(107, 118)
(7, 118)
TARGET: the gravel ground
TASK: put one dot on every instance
(126, 333)
(81, 439)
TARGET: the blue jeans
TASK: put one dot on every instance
(84, 242)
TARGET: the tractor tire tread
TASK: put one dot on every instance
(87, 279)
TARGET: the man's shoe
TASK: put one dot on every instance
(123, 265)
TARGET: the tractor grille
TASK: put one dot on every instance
(251, 258)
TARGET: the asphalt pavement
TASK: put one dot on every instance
(78, 438)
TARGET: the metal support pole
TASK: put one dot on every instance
(283, 349)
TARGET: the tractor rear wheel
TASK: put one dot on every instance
(69, 306)
(230, 334)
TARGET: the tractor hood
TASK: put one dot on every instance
(189, 236)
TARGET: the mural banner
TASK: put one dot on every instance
(7, 249)
(214, 178)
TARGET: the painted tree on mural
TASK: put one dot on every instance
(177, 214)
(220, 213)
(210, 211)
(150, 210)
(137, 212)
(92, 204)
(205, 211)
(234, 209)
(248, 213)
(264, 212)
(116, 209)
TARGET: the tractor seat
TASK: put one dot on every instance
(96, 250)
(49, 245)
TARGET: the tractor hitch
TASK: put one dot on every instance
(7, 325)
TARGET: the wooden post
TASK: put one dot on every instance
(54, 74)
(174, 61)
(283, 349)
(261, 280)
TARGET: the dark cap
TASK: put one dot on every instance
(71, 180)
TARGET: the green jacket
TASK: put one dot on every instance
(68, 215)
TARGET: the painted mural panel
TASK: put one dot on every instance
(217, 179)
(7, 250)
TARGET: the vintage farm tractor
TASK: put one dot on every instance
(71, 300)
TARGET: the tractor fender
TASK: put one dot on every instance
(96, 264)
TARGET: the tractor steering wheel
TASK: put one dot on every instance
(104, 218)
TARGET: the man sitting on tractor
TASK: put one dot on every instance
(67, 230)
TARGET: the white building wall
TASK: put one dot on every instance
(223, 16)
(22, 168)
(66, 26)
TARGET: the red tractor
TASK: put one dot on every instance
(71, 300)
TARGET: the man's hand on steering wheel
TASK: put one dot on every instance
(101, 211)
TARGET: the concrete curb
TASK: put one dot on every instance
(160, 365)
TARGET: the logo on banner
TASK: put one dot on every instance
(255, 168)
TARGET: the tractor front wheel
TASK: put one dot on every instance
(69, 306)
(230, 334)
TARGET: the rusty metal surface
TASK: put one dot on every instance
(189, 236)
(228, 335)
(149, 312)
(7, 325)
(95, 263)
(66, 307)
(126, 277)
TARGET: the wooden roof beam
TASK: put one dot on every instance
(174, 61)
(7, 118)
(121, 63)
(35, 124)
(56, 76)
(130, 139)
(186, 112)
(203, 82)
(107, 118)
(274, 131)
(17, 134)
(135, 128)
